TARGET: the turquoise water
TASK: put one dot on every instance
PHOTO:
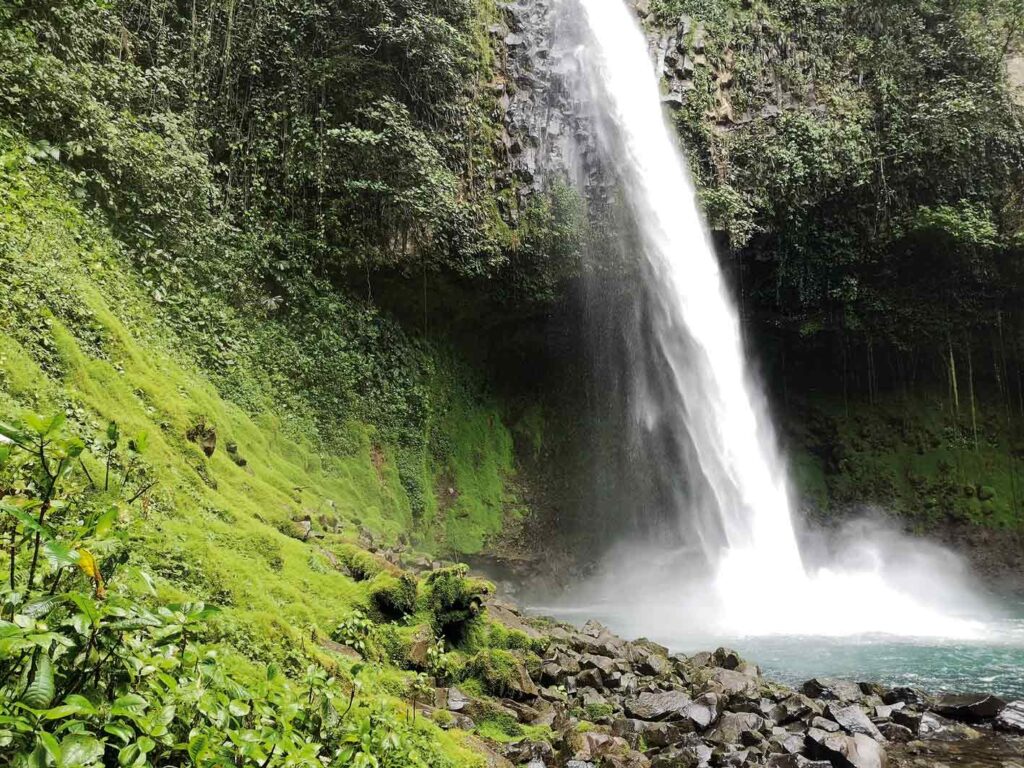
(934, 666)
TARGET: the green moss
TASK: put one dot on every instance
(454, 601)
(394, 596)
(598, 710)
(913, 455)
(497, 670)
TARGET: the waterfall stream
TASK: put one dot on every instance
(731, 484)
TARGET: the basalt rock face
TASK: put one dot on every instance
(546, 134)
(612, 702)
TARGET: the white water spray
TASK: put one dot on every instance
(746, 529)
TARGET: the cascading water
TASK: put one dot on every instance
(736, 495)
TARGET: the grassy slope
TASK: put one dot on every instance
(80, 332)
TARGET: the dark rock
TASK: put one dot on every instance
(785, 742)
(1011, 719)
(674, 100)
(666, 705)
(832, 689)
(695, 754)
(908, 719)
(726, 658)
(732, 725)
(842, 751)
(704, 710)
(419, 646)
(904, 695)
(896, 733)
(590, 678)
(970, 707)
(654, 664)
(853, 720)
(884, 711)
(660, 734)
(527, 751)
(702, 659)
(793, 708)
(601, 663)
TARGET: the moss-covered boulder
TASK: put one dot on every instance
(501, 673)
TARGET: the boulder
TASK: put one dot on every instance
(786, 743)
(733, 683)
(590, 678)
(853, 720)
(704, 710)
(927, 725)
(692, 754)
(593, 745)
(457, 700)
(419, 646)
(665, 705)
(793, 708)
(527, 751)
(732, 726)
(969, 707)
(660, 734)
(1011, 718)
(904, 695)
(896, 733)
(832, 689)
(726, 658)
(829, 726)
(842, 751)
(602, 664)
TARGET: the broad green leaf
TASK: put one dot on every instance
(73, 705)
(238, 708)
(58, 555)
(42, 426)
(39, 608)
(131, 705)
(80, 750)
(120, 731)
(13, 434)
(197, 747)
(50, 744)
(105, 522)
(30, 523)
(39, 692)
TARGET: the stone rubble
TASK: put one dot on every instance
(612, 703)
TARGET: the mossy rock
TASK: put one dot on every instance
(454, 601)
(394, 597)
(363, 565)
(501, 674)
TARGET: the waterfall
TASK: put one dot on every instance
(693, 388)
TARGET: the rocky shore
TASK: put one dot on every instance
(605, 702)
